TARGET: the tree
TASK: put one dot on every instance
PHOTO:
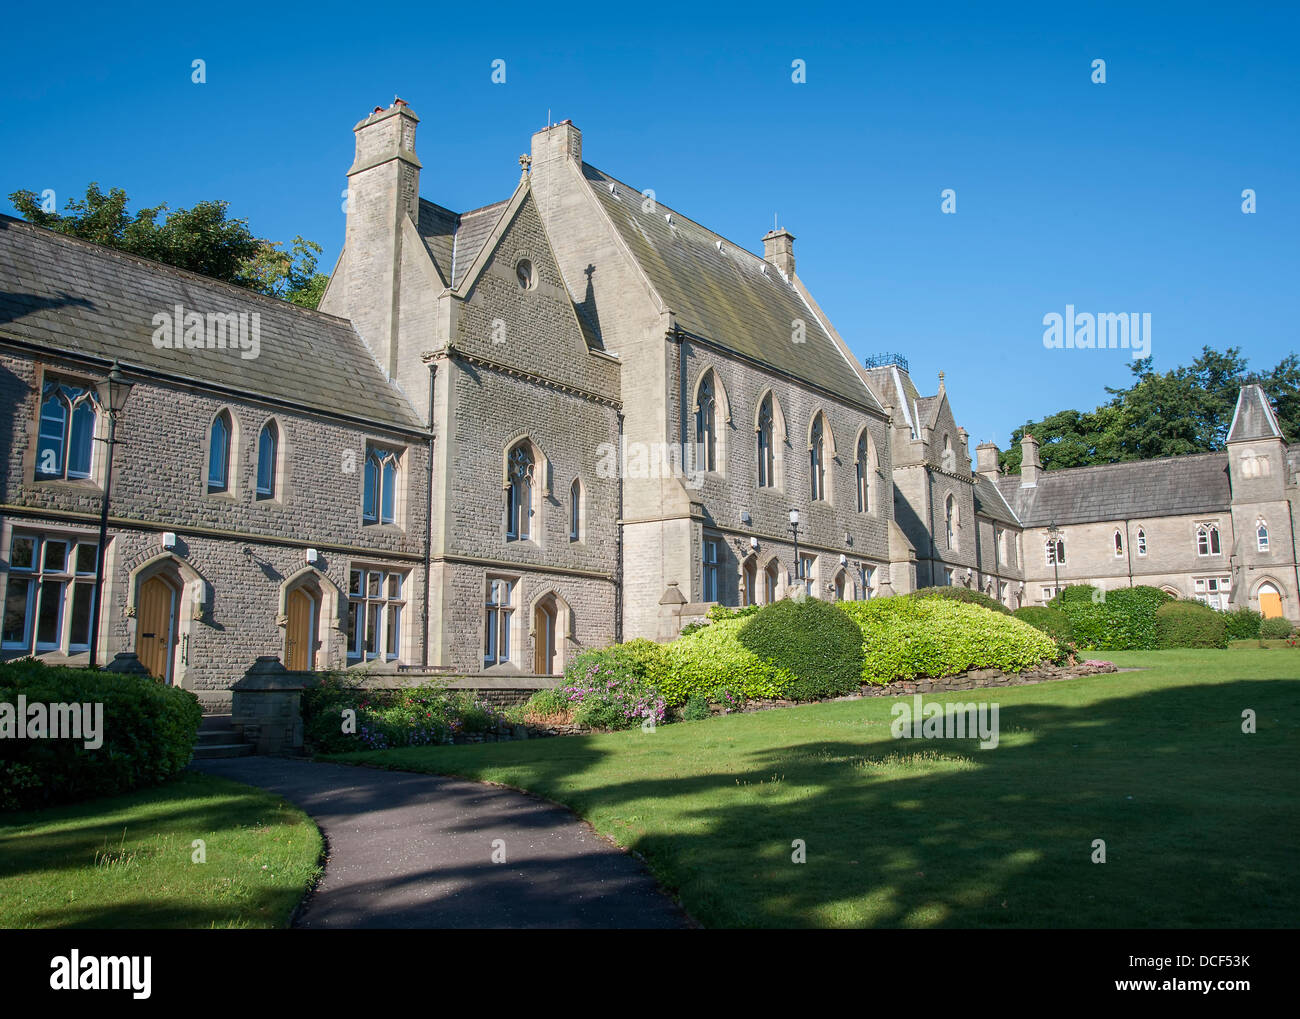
(201, 239)
(1186, 410)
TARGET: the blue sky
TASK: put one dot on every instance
(1117, 197)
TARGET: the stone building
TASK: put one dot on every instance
(571, 417)
(1218, 527)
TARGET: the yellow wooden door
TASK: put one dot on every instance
(155, 632)
(1270, 604)
(300, 636)
(544, 630)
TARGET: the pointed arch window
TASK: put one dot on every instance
(380, 497)
(1142, 541)
(1119, 545)
(219, 453)
(864, 474)
(950, 520)
(519, 493)
(770, 581)
(575, 511)
(1207, 539)
(817, 458)
(1261, 536)
(766, 448)
(1056, 551)
(706, 431)
(268, 450)
(64, 447)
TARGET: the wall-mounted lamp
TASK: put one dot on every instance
(753, 542)
(313, 556)
(745, 519)
(169, 540)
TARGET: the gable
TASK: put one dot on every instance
(536, 329)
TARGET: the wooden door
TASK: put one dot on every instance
(545, 640)
(300, 634)
(1270, 604)
(155, 631)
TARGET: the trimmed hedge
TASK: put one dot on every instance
(812, 639)
(148, 732)
(1119, 620)
(1276, 628)
(962, 594)
(1053, 622)
(1242, 624)
(906, 637)
(1190, 624)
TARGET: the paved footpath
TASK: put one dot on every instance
(412, 851)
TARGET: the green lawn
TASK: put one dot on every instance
(1200, 821)
(127, 861)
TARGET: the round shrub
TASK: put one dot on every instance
(1242, 623)
(710, 660)
(148, 732)
(1053, 622)
(813, 640)
(905, 637)
(1275, 628)
(1190, 624)
(963, 594)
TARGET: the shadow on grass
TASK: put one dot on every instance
(1199, 820)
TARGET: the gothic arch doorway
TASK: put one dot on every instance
(544, 653)
(156, 618)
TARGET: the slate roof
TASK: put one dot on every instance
(1124, 491)
(454, 239)
(65, 294)
(727, 294)
(1253, 417)
(437, 227)
(990, 503)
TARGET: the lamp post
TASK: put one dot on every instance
(113, 396)
(794, 526)
(1053, 533)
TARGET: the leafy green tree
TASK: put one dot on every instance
(1185, 410)
(201, 239)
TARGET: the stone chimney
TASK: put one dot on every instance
(986, 460)
(383, 188)
(554, 142)
(778, 250)
(1030, 465)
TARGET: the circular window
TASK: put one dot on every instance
(526, 275)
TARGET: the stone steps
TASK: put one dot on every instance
(211, 751)
(219, 738)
